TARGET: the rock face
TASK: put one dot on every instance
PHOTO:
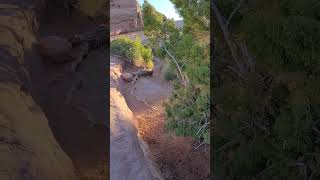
(28, 149)
(125, 16)
(129, 156)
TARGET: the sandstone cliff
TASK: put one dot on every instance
(125, 16)
(28, 149)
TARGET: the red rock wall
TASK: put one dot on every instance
(125, 16)
(28, 149)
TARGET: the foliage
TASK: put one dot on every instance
(267, 122)
(156, 25)
(170, 74)
(188, 107)
(93, 7)
(196, 14)
(133, 51)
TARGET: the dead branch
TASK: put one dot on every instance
(199, 145)
(233, 12)
(143, 72)
(226, 35)
(82, 51)
(95, 38)
(183, 77)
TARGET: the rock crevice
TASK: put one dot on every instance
(28, 149)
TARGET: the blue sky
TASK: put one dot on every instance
(165, 7)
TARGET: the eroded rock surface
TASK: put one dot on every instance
(28, 149)
(125, 16)
(129, 155)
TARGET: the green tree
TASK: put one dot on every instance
(156, 26)
(266, 99)
(188, 107)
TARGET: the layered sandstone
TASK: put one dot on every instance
(28, 149)
(125, 16)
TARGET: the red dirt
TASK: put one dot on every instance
(175, 156)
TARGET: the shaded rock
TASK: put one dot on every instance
(55, 49)
(28, 148)
(126, 77)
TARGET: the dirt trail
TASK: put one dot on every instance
(174, 155)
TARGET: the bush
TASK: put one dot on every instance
(268, 121)
(170, 74)
(188, 108)
(147, 56)
(132, 51)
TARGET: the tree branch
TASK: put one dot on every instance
(226, 35)
(184, 80)
(234, 12)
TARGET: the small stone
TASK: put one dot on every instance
(126, 77)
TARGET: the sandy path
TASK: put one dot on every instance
(174, 155)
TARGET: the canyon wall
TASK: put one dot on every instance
(28, 149)
(125, 16)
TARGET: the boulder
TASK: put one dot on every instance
(125, 16)
(55, 49)
(126, 77)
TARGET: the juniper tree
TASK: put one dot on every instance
(188, 107)
(267, 105)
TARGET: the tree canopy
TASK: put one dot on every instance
(265, 91)
(188, 107)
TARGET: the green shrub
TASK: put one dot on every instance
(188, 107)
(147, 56)
(133, 51)
(170, 74)
(268, 121)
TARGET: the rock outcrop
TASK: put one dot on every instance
(129, 155)
(28, 149)
(125, 16)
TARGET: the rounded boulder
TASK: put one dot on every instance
(55, 49)
(126, 77)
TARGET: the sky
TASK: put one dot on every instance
(165, 7)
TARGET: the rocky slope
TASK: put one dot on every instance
(125, 16)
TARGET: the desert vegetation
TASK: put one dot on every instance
(188, 57)
(266, 91)
(133, 51)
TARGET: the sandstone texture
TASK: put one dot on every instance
(125, 16)
(129, 155)
(28, 149)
